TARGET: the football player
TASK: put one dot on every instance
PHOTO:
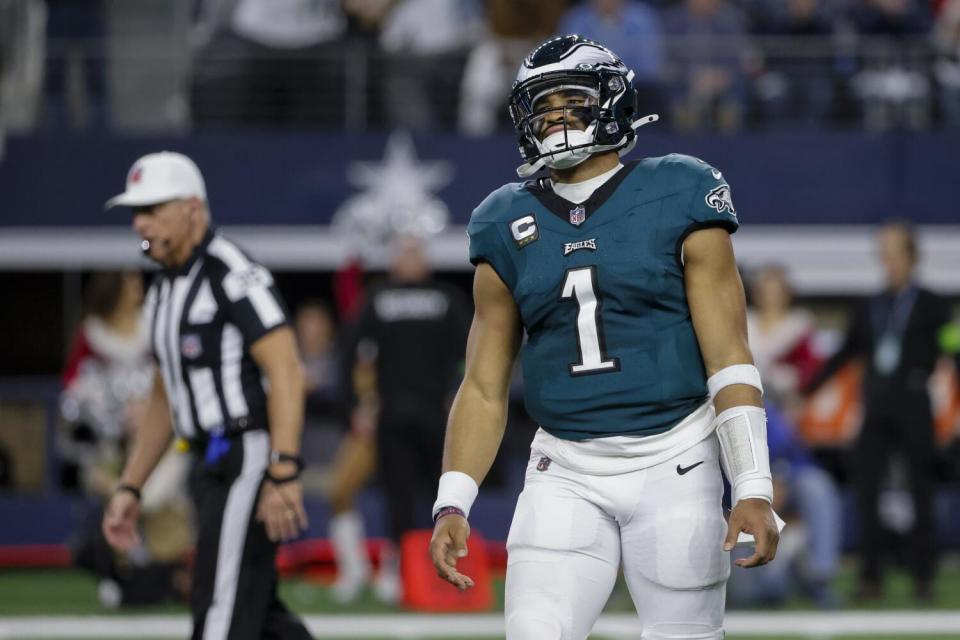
(636, 367)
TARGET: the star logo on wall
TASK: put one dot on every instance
(398, 195)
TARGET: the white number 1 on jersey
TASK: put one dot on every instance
(581, 284)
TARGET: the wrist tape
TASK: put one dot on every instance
(734, 374)
(457, 489)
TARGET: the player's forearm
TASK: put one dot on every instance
(474, 431)
(737, 395)
(285, 399)
(151, 443)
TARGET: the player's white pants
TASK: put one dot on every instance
(571, 530)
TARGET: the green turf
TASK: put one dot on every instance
(66, 592)
(69, 592)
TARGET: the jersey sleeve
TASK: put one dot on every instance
(252, 301)
(711, 202)
(486, 242)
(706, 201)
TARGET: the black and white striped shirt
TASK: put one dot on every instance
(203, 317)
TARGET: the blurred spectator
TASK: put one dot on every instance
(890, 17)
(324, 408)
(809, 551)
(22, 51)
(425, 43)
(893, 83)
(354, 461)
(896, 334)
(633, 30)
(316, 339)
(514, 27)
(796, 84)
(108, 375)
(354, 465)
(781, 337)
(707, 43)
(947, 66)
(75, 79)
(417, 327)
(276, 63)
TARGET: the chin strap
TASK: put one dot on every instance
(653, 117)
(529, 168)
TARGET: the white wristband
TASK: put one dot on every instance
(744, 454)
(734, 374)
(457, 489)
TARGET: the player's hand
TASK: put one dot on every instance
(753, 516)
(120, 521)
(281, 510)
(449, 544)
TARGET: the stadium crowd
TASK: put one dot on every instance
(709, 65)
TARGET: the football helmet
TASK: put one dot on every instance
(599, 93)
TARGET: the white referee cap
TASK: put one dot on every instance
(160, 177)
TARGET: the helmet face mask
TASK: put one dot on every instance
(561, 123)
(607, 111)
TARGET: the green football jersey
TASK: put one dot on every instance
(610, 346)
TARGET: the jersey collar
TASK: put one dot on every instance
(542, 190)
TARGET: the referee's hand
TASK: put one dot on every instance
(281, 510)
(120, 521)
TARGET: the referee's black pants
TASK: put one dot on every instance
(896, 423)
(235, 577)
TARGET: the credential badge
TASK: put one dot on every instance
(578, 215)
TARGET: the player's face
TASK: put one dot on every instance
(167, 227)
(563, 107)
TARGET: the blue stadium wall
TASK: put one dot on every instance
(300, 179)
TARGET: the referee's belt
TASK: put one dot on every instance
(230, 429)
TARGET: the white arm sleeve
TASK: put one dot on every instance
(744, 454)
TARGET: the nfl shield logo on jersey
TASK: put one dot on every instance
(190, 346)
(544, 463)
(578, 215)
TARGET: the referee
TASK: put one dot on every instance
(228, 381)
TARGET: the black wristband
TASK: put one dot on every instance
(276, 457)
(278, 480)
(446, 511)
(129, 487)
